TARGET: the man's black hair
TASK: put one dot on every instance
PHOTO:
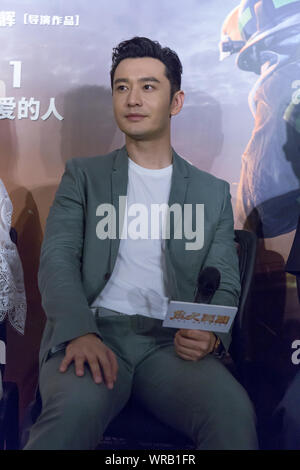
(144, 47)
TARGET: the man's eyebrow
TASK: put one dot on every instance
(144, 79)
(149, 79)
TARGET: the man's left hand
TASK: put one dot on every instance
(192, 345)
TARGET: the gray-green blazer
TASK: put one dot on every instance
(75, 264)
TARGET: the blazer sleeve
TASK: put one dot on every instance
(223, 256)
(59, 276)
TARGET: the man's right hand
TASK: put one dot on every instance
(89, 348)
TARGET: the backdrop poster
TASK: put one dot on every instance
(239, 122)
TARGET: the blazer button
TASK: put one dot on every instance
(107, 276)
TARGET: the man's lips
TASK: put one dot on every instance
(135, 117)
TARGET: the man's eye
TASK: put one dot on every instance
(148, 87)
(121, 87)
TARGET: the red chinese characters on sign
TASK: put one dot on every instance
(201, 318)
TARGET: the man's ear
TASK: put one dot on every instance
(177, 102)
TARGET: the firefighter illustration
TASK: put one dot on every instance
(265, 35)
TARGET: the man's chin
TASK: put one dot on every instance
(137, 135)
(142, 134)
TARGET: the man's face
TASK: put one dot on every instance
(141, 98)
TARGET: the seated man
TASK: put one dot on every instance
(105, 285)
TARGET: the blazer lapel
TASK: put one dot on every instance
(179, 184)
(119, 182)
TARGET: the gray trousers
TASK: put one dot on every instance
(200, 398)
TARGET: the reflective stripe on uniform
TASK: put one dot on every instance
(281, 3)
(244, 18)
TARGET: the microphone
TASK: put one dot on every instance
(207, 283)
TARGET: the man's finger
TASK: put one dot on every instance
(114, 363)
(65, 363)
(95, 370)
(186, 356)
(188, 352)
(194, 334)
(202, 347)
(189, 343)
(107, 371)
(193, 345)
(79, 365)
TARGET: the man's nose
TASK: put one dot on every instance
(134, 97)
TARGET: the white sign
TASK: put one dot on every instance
(207, 317)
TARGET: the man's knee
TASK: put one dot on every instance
(81, 407)
(66, 396)
(69, 420)
(230, 422)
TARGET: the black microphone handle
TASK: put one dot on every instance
(207, 283)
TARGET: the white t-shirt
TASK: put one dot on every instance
(136, 285)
